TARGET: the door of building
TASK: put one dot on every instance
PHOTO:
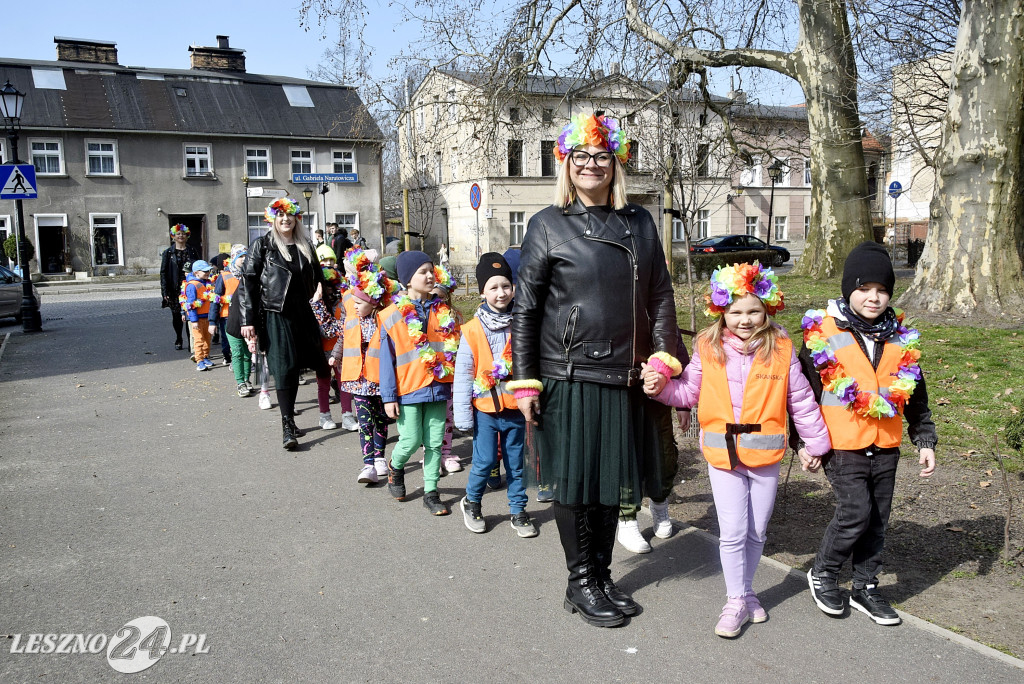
(196, 230)
(52, 248)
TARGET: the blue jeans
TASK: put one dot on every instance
(509, 427)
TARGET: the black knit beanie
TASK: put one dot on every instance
(868, 262)
(407, 265)
(491, 264)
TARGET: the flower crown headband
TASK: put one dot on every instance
(444, 278)
(179, 229)
(590, 129)
(282, 205)
(367, 278)
(732, 282)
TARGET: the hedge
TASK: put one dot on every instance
(705, 264)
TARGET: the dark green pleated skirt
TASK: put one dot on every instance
(293, 345)
(597, 444)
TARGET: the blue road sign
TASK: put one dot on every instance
(17, 181)
(474, 197)
(325, 178)
(895, 189)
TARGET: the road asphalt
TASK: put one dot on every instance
(133, 486)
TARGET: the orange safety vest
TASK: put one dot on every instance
(328, 342)
(230, 285)
(483, 357)
(204, 292)
(354, 364)
(411, 373)
(847, 429)
(759, 439)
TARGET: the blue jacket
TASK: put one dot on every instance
(435, 391)
(465, 372)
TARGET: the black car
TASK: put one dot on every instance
(739, 243)
(11, 293)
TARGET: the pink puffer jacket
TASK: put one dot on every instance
(800, 402)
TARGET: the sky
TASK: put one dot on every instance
(158, 35)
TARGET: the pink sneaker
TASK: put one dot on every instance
(757, 613)
(734, 616)
(452, 464)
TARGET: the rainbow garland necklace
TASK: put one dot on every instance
(835, 379)
(441, 364)
(501, 369)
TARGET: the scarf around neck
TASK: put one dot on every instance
(884, 327)
(492, 319)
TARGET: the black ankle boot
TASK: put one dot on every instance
(583, 594)
(288, 439)
(604, 521)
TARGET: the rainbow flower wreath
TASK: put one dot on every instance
(501, 369)
(589, 129)
(366, 276)
(282, 205)
(179, 229)
(441, 364)
(332, 276)
(835, 379)
(444, 278)
(729, 283)
(197, 303)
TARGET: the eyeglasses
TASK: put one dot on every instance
(580, 158)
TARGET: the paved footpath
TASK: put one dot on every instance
(132, 486)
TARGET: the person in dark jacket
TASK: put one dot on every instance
(594, 301)
(280, 277)
(340, 242)
(175, 262)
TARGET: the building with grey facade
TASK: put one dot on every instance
(121, 153)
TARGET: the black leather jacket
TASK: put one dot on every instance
(594, 299)
(172, 273)
(265, 277)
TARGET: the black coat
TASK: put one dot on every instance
(172, 273)
(594, 300)
(265, 278)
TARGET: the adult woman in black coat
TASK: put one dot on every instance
(280, 276)
(174, 264)
(593, 303)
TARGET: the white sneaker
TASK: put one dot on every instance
(326, 423)
(452, 464)
(265, 401)
(349, 422)
(368, 475)
(628, 535)
(381, 466)
(663, 527)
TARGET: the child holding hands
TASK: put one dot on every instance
(746, 377)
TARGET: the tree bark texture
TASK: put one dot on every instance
(974, 254)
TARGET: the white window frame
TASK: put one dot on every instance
(807, 225)
(453, 106)
(48, 153)
(301, 160)
(198, 156)
(787, 170)
(310, 223)
(438, 165)
(102, 154)
(807, 172)
(783, 223)
(678, 230)
(92, 237)
(338, 216)
(703, 223)
(516, 227)
(351, 161)
(3, 152)
(6, 230)
(257, 228)
(436, 112)
(756, 225)
(421, 117)
(266, 159)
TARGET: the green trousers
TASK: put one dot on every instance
(421, 424)
(241, 359)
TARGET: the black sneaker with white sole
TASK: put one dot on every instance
(472, 516)
(871, 602)
(826, 593)
(523, 526)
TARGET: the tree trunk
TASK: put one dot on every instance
(975, 249)
(826, 68)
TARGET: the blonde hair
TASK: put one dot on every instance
(299, 240)
(565, 191)
(765, 339)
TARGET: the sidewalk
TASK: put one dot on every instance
(134, 486)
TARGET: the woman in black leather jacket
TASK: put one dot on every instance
(175, 262)
(594, 301)
(280, 276)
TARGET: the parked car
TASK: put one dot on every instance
(739, 243)
(11, 293)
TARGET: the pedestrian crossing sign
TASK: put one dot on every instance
(17, 181)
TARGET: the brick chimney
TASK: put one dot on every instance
(220, 58)
(80, 50)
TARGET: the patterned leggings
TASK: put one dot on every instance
(373, 427)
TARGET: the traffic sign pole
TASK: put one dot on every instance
(474, 201)
(895, 190)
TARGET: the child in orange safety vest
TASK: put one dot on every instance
(419, 336)
(747, 378)
(198, 295)
(223, 291)
(483, 402)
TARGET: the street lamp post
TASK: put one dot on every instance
(775, 174)
(307, 192)
(11, 102)
(245, 212)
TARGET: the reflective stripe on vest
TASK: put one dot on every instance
(483, 359)
(411, 374)
(353, 364)
(230, 285)
(759, 439)
(203, 292)
(847, 429)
